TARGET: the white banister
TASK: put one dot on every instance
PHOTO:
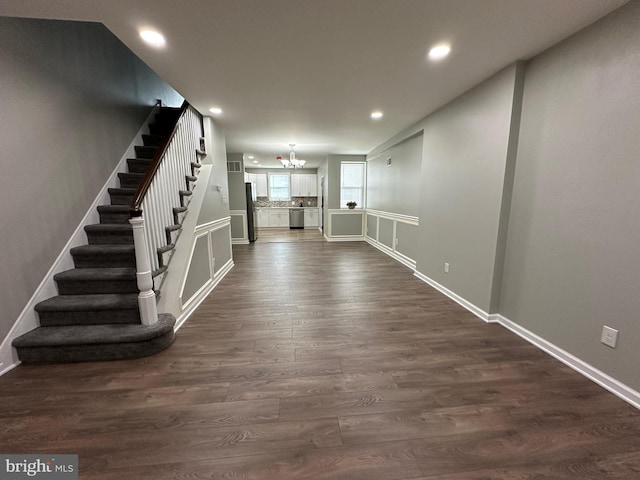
(157, 197)
(146, 297)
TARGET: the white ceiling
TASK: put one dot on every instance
(310, 72)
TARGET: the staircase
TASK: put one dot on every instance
(96, 314)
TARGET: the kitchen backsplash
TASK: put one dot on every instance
(306, 202)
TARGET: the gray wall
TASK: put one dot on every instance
(199, 271)
(467, 147)
(350, 224)
(332, 178)
(221, 246)
(237, 200)
(73, 98)
(573, 257)
(216, 203)
(408, 240)
(464, 164)
(396, 188)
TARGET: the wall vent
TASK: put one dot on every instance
(234, 167)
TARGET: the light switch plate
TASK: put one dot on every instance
(609, 336)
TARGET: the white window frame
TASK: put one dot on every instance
(274, 198)
(361, 202)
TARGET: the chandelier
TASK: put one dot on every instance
(292, 161)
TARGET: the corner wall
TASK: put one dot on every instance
(73, 98)
(572, 258)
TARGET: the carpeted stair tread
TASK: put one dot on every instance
(95, 274)
(81, 303)
(108, 227)
(156, 272)
(80, 335)
(122, 191)
(138, 165)
(145, 152)
(173, 228)
(130, 180)
(103, 250)
(166, 248)
(153, 140)
(104, 256)
(113, 209)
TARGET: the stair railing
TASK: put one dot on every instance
(151, 210)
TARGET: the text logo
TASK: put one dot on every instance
(41, 467)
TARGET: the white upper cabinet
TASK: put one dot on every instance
(258, 183)
(261, 185)
(304, 185)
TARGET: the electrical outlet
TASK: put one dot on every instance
(396, 242)
(609, 336)
(446, 268)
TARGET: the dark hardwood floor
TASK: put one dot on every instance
(325, 361)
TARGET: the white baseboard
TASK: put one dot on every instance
(406, 261)
(358, 238)
(28, 318)
(240, 241)
(477, 311)
(202, 294)
(616, 387)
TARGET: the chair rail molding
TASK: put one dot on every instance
(391, 251)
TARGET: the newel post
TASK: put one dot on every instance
(146, 297)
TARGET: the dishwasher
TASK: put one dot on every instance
(296, 218)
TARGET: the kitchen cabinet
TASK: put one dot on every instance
(258, 183)
(263, 217)
(278, 217)
(311, 218)
(304, 185)
(261, 185)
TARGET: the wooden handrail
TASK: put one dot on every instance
(135, 208)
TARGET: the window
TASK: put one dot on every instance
(352, 183)
(279, 186)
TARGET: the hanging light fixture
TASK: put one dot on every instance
(292, 162)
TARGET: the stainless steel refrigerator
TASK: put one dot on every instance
(252, 215)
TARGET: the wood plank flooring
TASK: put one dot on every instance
(279, 235)
(325, 361)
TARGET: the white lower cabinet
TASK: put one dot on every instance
(278, 217)
(263, 217)
(311, 218)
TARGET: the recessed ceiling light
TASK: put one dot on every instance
(376, 115)
(215, 110)
(153, 38)
(251, 157)
(439, 52)
(255, 161)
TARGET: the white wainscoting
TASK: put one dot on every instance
(245, 229)
(358, 236)
(188, 305)
(606, 381)
(391, 251)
